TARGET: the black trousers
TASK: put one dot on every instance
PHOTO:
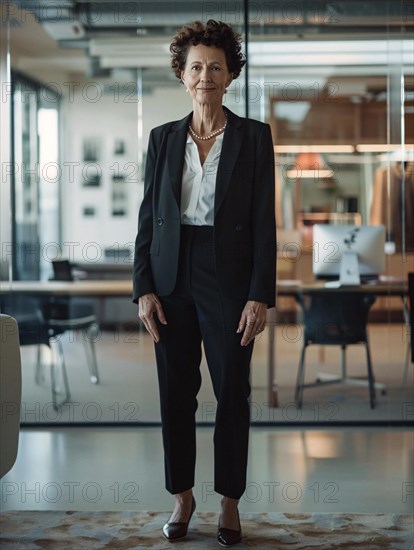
(197, 312)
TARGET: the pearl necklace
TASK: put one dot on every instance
(205, 138)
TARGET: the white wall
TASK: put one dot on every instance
(164, 105)
(107, 119)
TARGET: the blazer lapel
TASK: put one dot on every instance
(232, 141)
(176, 153)
(176, 141)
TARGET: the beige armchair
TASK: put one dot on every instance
(10, 392)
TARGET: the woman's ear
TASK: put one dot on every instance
(182, 81)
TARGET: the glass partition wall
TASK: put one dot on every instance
(35, 177)
(336, 86)
(340, 104)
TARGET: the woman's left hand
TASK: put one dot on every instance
(252, 321)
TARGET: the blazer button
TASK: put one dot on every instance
(239, 227)
(160, 221)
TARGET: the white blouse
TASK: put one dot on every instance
(199, 184)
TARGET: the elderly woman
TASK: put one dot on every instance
(204, 268)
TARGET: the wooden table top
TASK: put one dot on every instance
(291, 288)
(114, 288)
(70, 288)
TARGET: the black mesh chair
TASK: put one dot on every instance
(64, 314)
(409, 319)
(336, 319)
(62, 270)
(411, 298)
(34, 330)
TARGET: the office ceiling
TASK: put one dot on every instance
(81, 20)
(97, 38)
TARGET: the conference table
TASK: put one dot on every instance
(95, 288)
(103, 289)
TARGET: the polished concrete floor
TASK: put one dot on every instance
(128, 388)
(290, 470)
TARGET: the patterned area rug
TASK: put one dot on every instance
(70, 530)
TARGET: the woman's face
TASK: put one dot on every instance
(206, 74)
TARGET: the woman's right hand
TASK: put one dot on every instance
(148, 305)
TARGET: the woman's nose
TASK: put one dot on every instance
(204, 75)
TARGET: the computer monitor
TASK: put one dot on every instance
(348, 252)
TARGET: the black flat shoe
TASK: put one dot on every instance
(178, 529)
(228, 537)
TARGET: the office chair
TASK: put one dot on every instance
(65, 314)
(409, 319)
(411, 296)
(34, 330)
(62, 270)
(335, 319)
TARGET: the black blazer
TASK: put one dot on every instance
(244, 212)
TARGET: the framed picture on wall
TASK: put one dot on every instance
(119, 196)
(119, 147)
(89, 211)
(91, 176)
(91, 149)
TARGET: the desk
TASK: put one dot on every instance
(99, 289)
(118, 288)
(293, 288)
